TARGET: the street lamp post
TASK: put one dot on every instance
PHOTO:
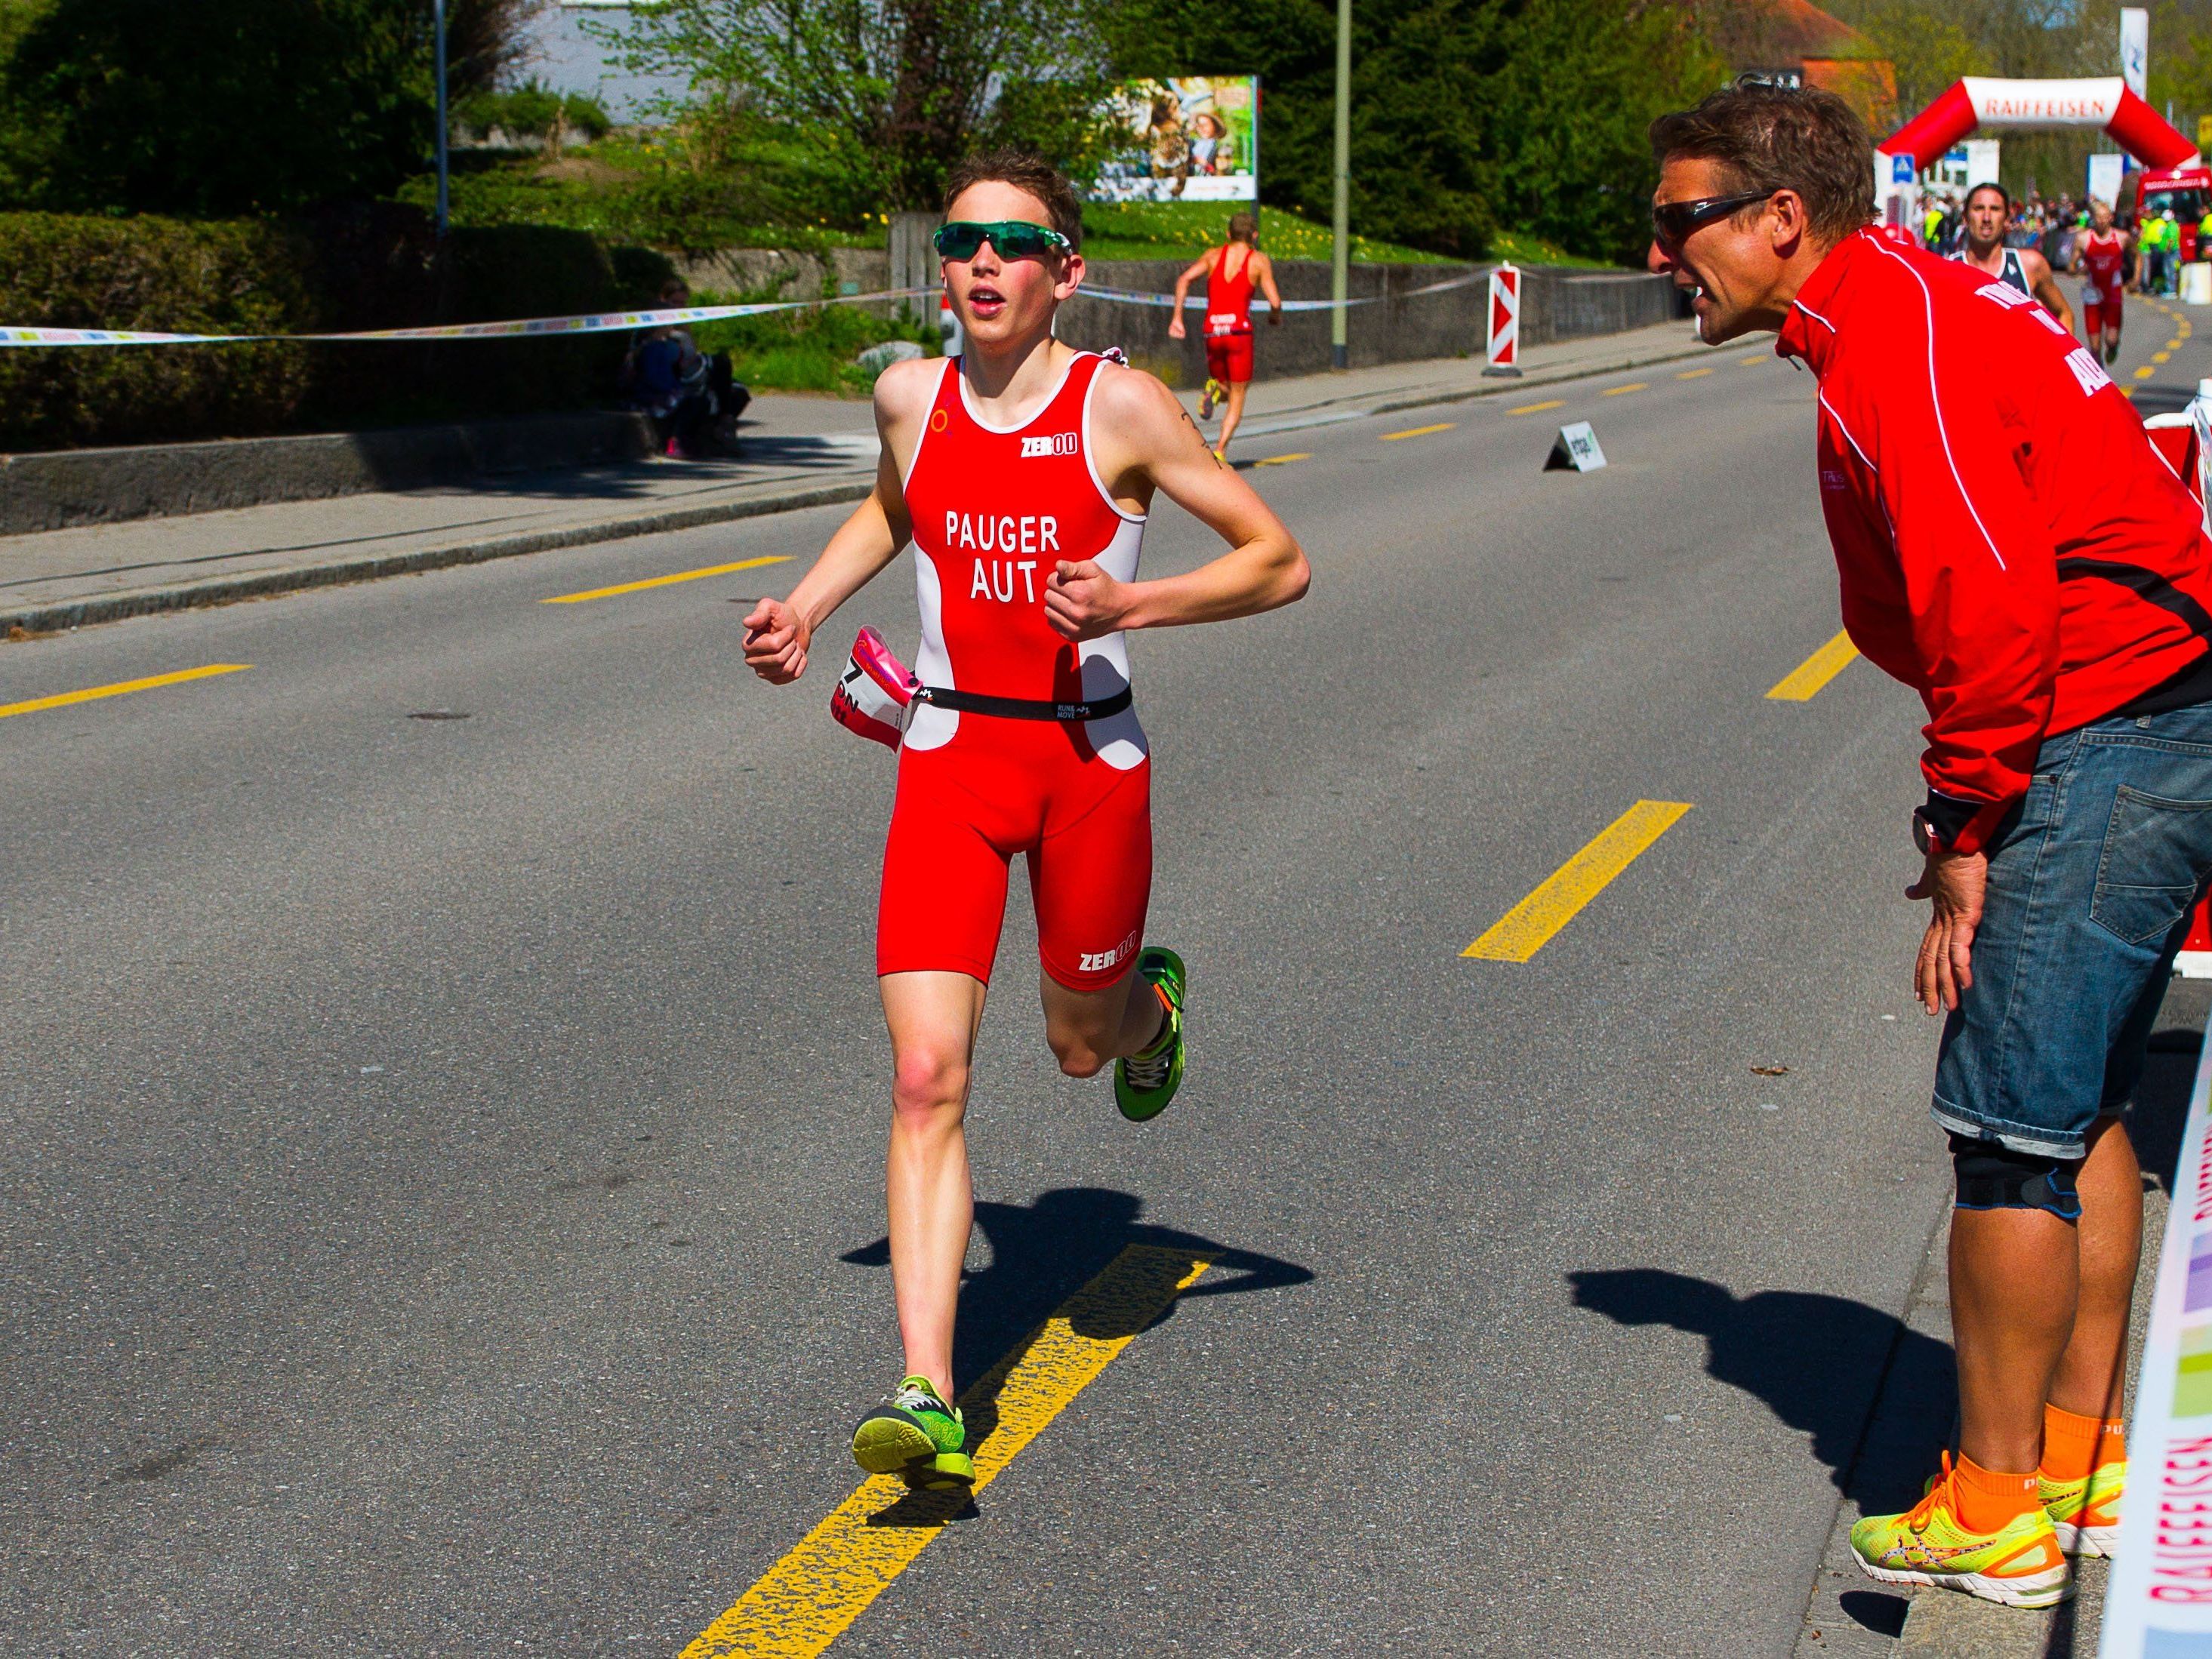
(438, 18)
(1339, 272)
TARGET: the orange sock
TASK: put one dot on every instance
(1988, 1501)
(2074, 1444)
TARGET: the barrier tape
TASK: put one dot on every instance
(603, 322)
(1196, 302)
(2159, 1601)
(598, 322)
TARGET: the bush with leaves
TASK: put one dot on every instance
(1466, 114)
(883, 96)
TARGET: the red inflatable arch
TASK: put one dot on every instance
(1977, 101)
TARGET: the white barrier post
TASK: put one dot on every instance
(1504, 348)
(2159, 1603)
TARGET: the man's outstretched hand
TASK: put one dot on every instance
(775, 643)
(1082, 602)
(1954, 883)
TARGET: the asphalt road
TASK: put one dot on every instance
(443, 1208)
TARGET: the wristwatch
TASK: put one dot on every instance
(1937, 825)
(1924, 836)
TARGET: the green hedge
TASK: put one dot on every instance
(370, 269)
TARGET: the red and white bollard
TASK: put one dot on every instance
(1504, 347)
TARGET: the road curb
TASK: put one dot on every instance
(261, 584)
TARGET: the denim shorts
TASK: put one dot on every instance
(2091, 884)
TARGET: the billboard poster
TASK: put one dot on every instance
(1188, 139)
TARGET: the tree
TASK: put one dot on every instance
(1466, 114)
(878, 97)
(220, 106)
(485, 43)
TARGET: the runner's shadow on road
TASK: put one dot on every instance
(1044, 1259)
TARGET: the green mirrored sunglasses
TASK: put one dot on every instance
(1015, 239)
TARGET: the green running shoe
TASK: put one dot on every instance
(917, 1436)
(1144, 1082)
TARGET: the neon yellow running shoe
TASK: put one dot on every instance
(1144, 1083)
(2086, 1513)
(1215, 395)
(918, 1437)
(2020, 1565)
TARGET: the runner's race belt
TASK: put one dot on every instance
(1022, 708)
(1227, 322)
(877, 694)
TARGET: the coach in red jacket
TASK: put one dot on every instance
(2009, 546)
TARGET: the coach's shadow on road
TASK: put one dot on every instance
(1042, 1254)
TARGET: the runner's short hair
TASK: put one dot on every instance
(1027, 171)
(2003, 195)
(1768, 139)
(1243, 227)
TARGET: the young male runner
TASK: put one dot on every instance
(1022, 472)
(1988, 211)
(2101, 256)
(1230, 273)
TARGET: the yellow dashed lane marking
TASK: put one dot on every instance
(2162, 356)
(1692, 373)
(1633, 385)
(1418, 431)
(1756, 357)
(1802, 682)
(1284, 460)
(2144, 373)
(2127, 392)
(1538, 409)
(663, 581)
(1523, 930)
(121, 687)
(804, 1602)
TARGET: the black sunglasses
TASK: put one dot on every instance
(1015, 239)
(1672, 221)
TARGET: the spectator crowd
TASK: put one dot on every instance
(2157, 247)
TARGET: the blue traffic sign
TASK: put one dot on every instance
(1900, 169)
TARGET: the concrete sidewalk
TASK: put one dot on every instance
(798, 451)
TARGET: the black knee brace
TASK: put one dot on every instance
(1993, 1176)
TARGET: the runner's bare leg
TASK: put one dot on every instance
(1235, 414)
(1089, 1028)
(933, 1018)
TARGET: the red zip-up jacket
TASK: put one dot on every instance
(2009, 544)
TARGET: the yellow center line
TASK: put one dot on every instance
(2144, 373)
(1418, 431)
(1538, 409)
(61, 700)
(2161, 357)
(804, 1602)
(1284, 460)
(663, 581)
(1633, 385)
(2127, 392)
(1800, 683)
(1692, 373)
(1756, 357)
(1523, 930)
(2173, 344)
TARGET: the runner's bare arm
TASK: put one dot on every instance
(779, 631)
(1263, 268)
(2045, 286)
(1198, 268)
(1143, 442)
